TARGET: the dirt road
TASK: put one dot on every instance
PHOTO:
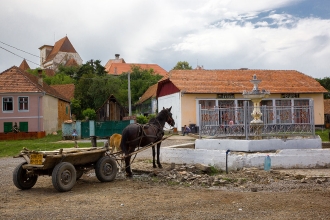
(284, 195)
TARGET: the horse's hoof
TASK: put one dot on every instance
(129, 175)
(154, 166)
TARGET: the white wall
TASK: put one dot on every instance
(174, 101)
(282, 159)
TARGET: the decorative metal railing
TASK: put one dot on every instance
(278, 121)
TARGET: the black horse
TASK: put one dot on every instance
(137, 135)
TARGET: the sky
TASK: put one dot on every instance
(215, 34)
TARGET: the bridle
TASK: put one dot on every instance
(169, 119)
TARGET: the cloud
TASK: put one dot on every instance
(216, 34)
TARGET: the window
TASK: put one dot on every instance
(23, 103)
(7, 103)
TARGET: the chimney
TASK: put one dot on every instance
(40, 80)
(117, 56)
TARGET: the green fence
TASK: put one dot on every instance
(103, 129)
(107, 128)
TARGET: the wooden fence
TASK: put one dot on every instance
(22, 135)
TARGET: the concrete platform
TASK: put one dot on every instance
(311, 156)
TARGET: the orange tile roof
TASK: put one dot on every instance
(71, 62)
(24, 65)
(119, 68)
(151, 92)
(235, 81)
(15, 80)
(327, 106)
(63, 45)
(66, 90)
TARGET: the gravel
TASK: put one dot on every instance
(184, 192)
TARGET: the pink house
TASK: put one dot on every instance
(31, 103)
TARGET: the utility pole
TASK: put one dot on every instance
(129, 95)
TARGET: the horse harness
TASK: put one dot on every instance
(158, 131)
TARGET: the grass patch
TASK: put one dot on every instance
(49, 142)
(324, 134)
(214, 171)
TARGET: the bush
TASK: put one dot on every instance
(90, 113)
(151, 116)
(141, 119)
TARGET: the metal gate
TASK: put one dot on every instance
(85, 129)
(105, 129)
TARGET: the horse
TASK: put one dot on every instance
(141, 135)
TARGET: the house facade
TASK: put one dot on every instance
(31, 103)
(186, 90)
(62, 53)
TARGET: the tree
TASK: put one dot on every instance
(76, 108)
(58, 79)
(325, 82)
(140, 80)
(91, 67)
(182, 65)
(68, 70)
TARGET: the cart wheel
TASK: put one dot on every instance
(64, 176)
(21, 179)
(79, 174)
(106, 169)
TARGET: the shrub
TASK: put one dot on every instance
(90, 113)
(141, 119)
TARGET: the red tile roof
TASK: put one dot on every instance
(15, 80)
(150, 93)
(119, 68)
(24, 65)
(66, 90)
(63, 45)
(235, 81)
(71, 62)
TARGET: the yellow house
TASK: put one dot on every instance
(185, 90)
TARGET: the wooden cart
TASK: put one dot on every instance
(64, 165)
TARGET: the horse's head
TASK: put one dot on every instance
(169, 118)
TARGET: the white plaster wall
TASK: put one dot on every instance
(50, 113)
(282, 159)
(258, 145)
(59, 58)
(174, 101)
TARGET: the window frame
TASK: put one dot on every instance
(23, 102)
(4, 104)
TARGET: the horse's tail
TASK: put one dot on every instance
(123, 142)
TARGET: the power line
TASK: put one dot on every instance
(19, 56)
(19, 49)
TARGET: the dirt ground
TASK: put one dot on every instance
(152, 194)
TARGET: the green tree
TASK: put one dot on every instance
(76, 108)
(91, 67)
(68, 70)
(58, 79)
(140, 80)
(325, 82)
(182, 65)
